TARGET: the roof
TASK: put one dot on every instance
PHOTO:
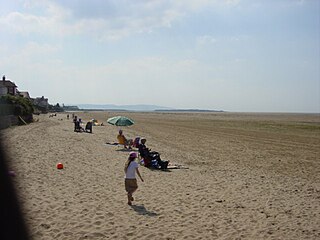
(24, 94)
(6, 83)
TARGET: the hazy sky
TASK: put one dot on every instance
(233, 55)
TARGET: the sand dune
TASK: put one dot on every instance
(249, 176)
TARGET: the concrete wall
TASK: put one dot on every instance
(12, 120)
(8, 121)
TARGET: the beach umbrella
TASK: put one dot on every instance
(120, 121)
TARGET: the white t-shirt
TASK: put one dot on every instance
(131, 171)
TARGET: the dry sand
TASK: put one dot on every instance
(249, 176)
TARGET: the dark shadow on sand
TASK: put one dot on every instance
(124, 150)
(161, 170)
(168, 170)
(141, 210)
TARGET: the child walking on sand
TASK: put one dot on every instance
(130, 169)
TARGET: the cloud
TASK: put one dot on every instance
(206, 39)
(42, 72)
(41, 19)
(103, 20)
(29, 53)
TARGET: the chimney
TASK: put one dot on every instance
(3, 77)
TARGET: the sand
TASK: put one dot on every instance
(247, 176)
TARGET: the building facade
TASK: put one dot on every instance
(7, 87)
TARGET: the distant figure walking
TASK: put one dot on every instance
(130, 169)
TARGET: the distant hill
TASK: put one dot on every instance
(139, 107)
(188, 110)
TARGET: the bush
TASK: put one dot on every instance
(22, 106)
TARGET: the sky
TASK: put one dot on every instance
(232, 55)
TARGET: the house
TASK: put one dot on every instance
(7, 87)
(41, 102)
(24, 94)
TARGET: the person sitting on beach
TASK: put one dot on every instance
(136, 142)
(77, 127)
(127, 143)
(151, 158)
(89, 127)
(144, 152)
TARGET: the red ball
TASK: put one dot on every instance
(59, 166)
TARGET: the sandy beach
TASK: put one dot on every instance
(245, 176)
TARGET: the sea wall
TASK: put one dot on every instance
(12, 120)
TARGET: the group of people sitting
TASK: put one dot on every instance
(148, 158)
(77, 125)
